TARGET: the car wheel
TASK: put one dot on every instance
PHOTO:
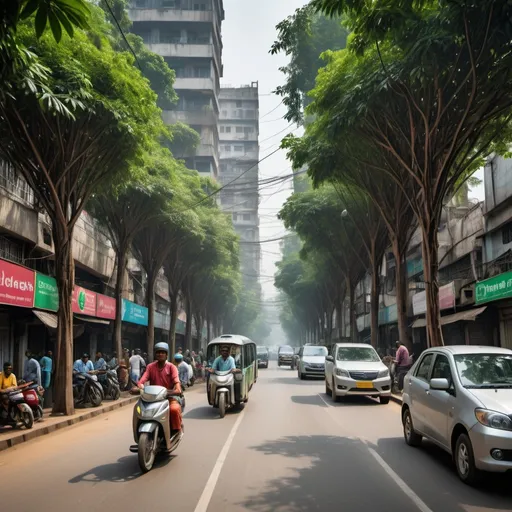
(410, 436)
(384, 400)
(465, 461)
(334, 396)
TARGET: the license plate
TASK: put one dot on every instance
(364, 384)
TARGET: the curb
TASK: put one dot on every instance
(398, 400)
(28, 435)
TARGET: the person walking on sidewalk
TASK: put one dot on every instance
(32, 369)
(46, 370)
(403, 363)
(137, 366)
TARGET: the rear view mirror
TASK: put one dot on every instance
(440, 384)
(329, 358)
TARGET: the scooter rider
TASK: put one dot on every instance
(163, 373)
(403, 363)
(223, 363)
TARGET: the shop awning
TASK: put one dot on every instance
(92, 320)
(48, 319)
(462, 316)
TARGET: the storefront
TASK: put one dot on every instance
(388, 329)
(135, 323)
(496, 294)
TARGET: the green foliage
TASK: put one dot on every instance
(183, 140)
(303, 37)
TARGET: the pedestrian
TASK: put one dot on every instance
(46, 370)
(180, 350)
(31, 369)
(182, 370)
(191, 377)
(403, 363)
(122, 370)
(137, 365)
(146, 358)
(113, 361)
(100, 363)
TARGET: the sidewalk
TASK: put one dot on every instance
(10, 437)
(397, 399)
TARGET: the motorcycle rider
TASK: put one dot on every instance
(182, 369)
(403, 363)
(83, 365)
(223, 363)
(7, 383)
(163, 373)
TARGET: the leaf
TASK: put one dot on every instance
(64, 21)
(55, 26)
(29, 9)
(41, 19)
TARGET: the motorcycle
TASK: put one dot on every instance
(110, 384)
(395, 375)
(87, 390)
(221, 388)
(31, 394)
(18, 412)
(151, 428)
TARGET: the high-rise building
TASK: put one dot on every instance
(187, 34)
(239, 156)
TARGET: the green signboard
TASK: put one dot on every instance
(495, 288)
(46, 294)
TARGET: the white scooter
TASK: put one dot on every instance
(151, 428)
(221, 389)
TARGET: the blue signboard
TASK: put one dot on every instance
(134, 313)
(388, 315)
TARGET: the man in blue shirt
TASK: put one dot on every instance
(46, 369)
(223, 363)
(83, 365)
(31, 370)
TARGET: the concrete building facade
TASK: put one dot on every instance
(239, 156)
(187, 34)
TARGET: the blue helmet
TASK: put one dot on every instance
(161, 346)
(178, 357)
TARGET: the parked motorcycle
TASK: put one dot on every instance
(87, 390)
(32, 395)
(110, 384)
(18, 413)
(151, 428)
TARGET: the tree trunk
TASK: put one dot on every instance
(352, 311)
(199, 329)
(188, 329)
(374, 301)
(173, 320)
(430, 272)
(65, 277)
(150, 301)
(117, 339)
(208, 328)
(401, 295)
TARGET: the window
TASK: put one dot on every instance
(228, 129)
(227, 148)
(246, 216)
(424, 367)
(222, 129)
(239, 129)
(238, 104)
(249, 355)
(441, 369)
(248, 129)
(250, 114)
(239, 149)
(506, 233)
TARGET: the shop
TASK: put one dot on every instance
(388, 329)
(135, 324)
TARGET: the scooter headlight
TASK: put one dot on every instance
(239, 376)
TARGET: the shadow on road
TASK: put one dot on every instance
(293, 379)
(125, 469)
(350, 401)
(430, 463)
(308, 400)
(339, 474)
(209, 413)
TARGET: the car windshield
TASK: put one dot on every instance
(235, 352)
(315, 351)
(484, 370)
(365, 354)
(285, 350)
(261, 350)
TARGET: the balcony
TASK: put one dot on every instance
(242, 137)
(163, 14)
(182, 50)
(249, 156)
(195, 84)
(206, 117)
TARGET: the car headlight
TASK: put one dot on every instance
(493, 419)
(383, 373)
(341, 373)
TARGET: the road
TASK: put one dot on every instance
(290, 450)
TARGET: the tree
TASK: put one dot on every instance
(65, 155)
(434, 104)
(127, 208)
(304, 36)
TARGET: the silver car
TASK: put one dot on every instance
(460, 398)
(311, 361)
(356, 369)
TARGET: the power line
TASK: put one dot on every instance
(123, 34)
(266, 241)
(270, 112)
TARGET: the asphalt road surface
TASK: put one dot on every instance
(290, 450)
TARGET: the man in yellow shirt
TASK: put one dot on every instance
(7, 378)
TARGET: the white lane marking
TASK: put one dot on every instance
(398, 481)
(420, 504)
(206, 496)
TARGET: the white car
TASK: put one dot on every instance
(356, 369)
(460, 398)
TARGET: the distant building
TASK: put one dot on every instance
(239, 156)
(187, 34)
